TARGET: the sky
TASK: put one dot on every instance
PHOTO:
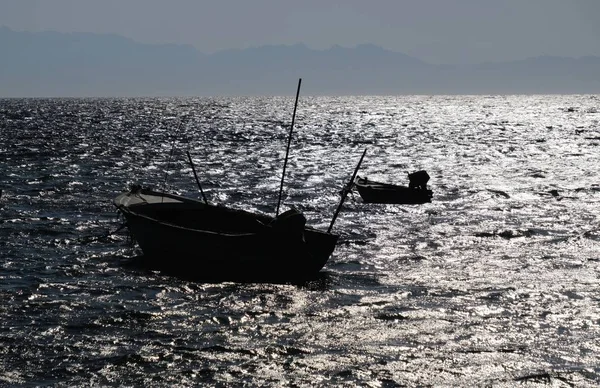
(437, 31)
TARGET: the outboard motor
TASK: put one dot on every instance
(290, 225)
(418, 180)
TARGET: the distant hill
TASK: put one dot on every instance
(84, 64)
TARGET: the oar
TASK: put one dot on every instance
(196, 176)
(345, 191)
(287, 151)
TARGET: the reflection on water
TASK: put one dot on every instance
(493, 283)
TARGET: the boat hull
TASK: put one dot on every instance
(187, 237)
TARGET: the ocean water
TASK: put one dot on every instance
(494, 283)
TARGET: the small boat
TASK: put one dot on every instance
(377, 192)
(193, 238)
(189, 237)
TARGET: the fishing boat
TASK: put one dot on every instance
(193, 238)
(377, 192)
(189, 237)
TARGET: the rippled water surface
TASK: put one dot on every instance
(496, 282)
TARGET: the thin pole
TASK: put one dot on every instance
(196, 176)
(345, 191)
(169, 161)
(171, 156)
(287, 151)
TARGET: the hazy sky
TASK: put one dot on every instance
(438, 31)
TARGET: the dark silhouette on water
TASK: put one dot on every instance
(320, 281)
(378, 192)
(188, 236)
(191, 237)
(418, 180)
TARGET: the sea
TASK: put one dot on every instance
(494, 283)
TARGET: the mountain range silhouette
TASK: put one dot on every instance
(52, 64)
